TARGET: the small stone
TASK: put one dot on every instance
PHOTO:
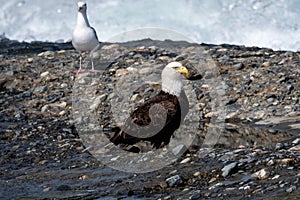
(44, 74)
(47, 189)
(262, 174)
(84, 177)
(287, 160)
(296, 141)
(61, 113)
(195, 196)
(215, 186)
(196, 174)
(186, 160)
(135, 97)
(62, 104)
(210, 114)
(42, 162)
(231, 115)
(9, 73)
(238, 66)
(291, 189)
(271, 162)
(59, 138)
(295, 148)
(279, 146)
(40, 89)
(270, 100)
(44, 108)
(289, 87)
(121, 72)
(164, 58)
(174, 180)
(63, 85)
(61, 51)
(102, 97)
(266, 64)
(41, 128)
(30, 60)
(276, 177)
(48, 53)
(212, 180)
(228, 169)
(98, 100)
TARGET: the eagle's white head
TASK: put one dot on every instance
(172, 79)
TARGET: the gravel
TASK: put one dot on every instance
(246, 97)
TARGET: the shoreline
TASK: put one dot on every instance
(42, 150)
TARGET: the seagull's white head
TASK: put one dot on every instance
(82, 6)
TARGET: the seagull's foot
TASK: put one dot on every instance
(78, 71)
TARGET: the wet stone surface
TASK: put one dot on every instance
(46, 110)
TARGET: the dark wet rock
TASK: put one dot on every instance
(196, 196)
(279, 146)
(63, 188)
(174, 181)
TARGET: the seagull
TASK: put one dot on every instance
(84, 36)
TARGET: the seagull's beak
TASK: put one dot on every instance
(183, 70)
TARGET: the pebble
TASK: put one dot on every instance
(262, 174)
(296, 141)
(196, 174)
(174, 181)
(45, 108)
(135, 97)
(279, 146)
(9, 73)
(186, 160)
(276, 177)
(61, 113)
(295, 148)
(44, 74)
(226, 170)
(41, 89)
(238, 66)
(291, 189)
(63, 85)
(196, 196)
(29, 60)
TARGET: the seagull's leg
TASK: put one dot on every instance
(80, 61)
(92, 58)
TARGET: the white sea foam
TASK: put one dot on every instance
(263, 23)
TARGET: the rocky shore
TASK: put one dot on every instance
(249, 96)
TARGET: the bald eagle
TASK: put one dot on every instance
(157, 119)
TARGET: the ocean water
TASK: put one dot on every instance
(264, 23)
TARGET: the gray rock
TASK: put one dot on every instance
(238, 66)
(174, 180)
(279, 146)
(40, 89)
(9, 73)
(296, 141)
(228, 169)
(291, 189)
(262, 174)
(195, 196)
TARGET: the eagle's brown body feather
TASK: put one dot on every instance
(150, 119)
